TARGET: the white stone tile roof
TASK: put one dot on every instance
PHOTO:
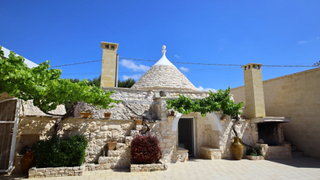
(164, 75)
(29, 63)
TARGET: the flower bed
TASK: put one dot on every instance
(56, 171)
(255, 157)
(148, 167)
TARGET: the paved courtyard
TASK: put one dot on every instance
(295, 168)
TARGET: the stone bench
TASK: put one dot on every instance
(207, 152)
(182, 154)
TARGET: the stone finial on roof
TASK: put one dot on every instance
(164, 60)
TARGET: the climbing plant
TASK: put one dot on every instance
(214, 102)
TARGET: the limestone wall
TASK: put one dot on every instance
(97, 132)
(296, 96)
(134, 102)
(226, 136)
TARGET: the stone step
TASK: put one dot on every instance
(128, 140)
(121, 146)
(139, 127)
(107, 160)
(113, 162)
(297, 153)
(119, 153)
(134, 133)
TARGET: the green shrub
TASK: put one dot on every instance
(57, 152)
(254, 151)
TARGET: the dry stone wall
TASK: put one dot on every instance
(97, 132)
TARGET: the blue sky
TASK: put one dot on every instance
(281, 32)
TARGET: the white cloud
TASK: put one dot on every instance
(302, 42)
(176, 56)
(135, 67)
(200, 88)
(135, 77)
(183, 69)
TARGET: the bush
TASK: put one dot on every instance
(57, 152)
(254, 151)
(145, 150)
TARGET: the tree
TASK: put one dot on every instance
(126, 83)
(45, 87)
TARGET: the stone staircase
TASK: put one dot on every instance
(294, 150)
(120, 157)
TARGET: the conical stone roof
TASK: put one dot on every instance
(164, 75)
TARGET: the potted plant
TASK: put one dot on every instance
(132, 117)
(107, 115)
(138, 121)
(86, 114)
(27, 161)
(112, 142)
(254, 153)
(172, 113)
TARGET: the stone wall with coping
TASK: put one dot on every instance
(56, 171)
(97, 132)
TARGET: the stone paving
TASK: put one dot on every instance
(296, 168)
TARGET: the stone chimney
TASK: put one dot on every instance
(255, 106)
(109, 69)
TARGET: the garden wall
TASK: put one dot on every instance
(296, 96)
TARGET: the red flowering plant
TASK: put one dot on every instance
(145, 150)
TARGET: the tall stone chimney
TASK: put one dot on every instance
(109, 69)
(255, 106)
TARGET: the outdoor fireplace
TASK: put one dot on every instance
(270, 133)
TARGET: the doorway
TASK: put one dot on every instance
(186, 135)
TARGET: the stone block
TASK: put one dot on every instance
(139, 127)
(128, 140)
(134, 133)
(121, 146)
(104, 128)
(114, 127)
(125, 126)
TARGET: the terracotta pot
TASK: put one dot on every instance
(107, 115)
(86, 115)
(138, 121)
(237, 148)
(112, 145)
(132, 117)
(27, 162)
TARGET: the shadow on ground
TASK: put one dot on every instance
(299, 162)
(12, 177)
